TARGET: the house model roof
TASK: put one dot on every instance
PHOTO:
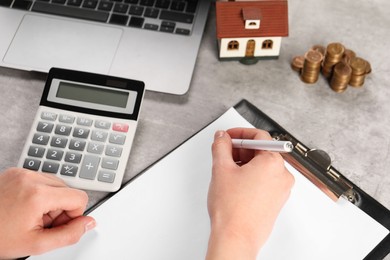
(251, 13)
(231, 23)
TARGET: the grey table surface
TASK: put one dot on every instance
(353, 127)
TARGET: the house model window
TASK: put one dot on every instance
(267, 44)
(233, 45)
(252, 17)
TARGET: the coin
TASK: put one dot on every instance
(341, 77)
(311, 66)
(334, 54)
(321, 49)
(348, 55)
(313, 56)
(335, 50)
(357, 80)
(297, 63)
(358, 66)
(342, 69)
(336, 62)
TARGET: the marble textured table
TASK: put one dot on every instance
(353, 127)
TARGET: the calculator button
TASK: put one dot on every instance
(63, 130)
(102, 124)
(54, 154)
(106, 176)
(84, 121)
(69, 170)
(119, 127)
(95, 148)
(110, 163)
(32, 164)
(58, 141)
(117, 138)
(80, 132)
(45, 127)
(72, 157)
(36, 151)
(66, 119)
(113, 151)
(89, 167)
(49, 116)
(77, 145)
(40, 139)
(99, 136)
(50, 167)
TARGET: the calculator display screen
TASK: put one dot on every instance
(94, 95)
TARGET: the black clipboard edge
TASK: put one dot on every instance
(365, 202)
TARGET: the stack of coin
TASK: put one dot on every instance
(297, 63)
(340, 65)
(334, 54)
(340, 77)
(311, 66)
(348, 55)
(359, 69)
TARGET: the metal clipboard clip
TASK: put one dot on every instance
(316, 165)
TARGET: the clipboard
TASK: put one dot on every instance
(315, 164)
(164, 209)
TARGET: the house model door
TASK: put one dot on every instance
(250, 48)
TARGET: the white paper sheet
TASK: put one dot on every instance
(163, 215)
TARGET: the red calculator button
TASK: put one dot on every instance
(119, 127)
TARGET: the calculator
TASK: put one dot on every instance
(84, 129)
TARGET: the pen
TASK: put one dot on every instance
(268, 145)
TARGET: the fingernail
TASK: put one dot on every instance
(219, 134)
(90, 225)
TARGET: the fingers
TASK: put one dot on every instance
(222, 149)
(60, 236)
(44, 212)
(222, 146)
(49, 193)
(245, 155)
(72, 201)
(65, 207)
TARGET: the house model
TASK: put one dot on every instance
(251, 30)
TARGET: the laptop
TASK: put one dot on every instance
(155, 41)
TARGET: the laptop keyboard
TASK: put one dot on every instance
(171, 16)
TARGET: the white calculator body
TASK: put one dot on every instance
(84, 129)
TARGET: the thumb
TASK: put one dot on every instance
(222, 148)
(64, 235)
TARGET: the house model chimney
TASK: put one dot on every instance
(251, 17)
